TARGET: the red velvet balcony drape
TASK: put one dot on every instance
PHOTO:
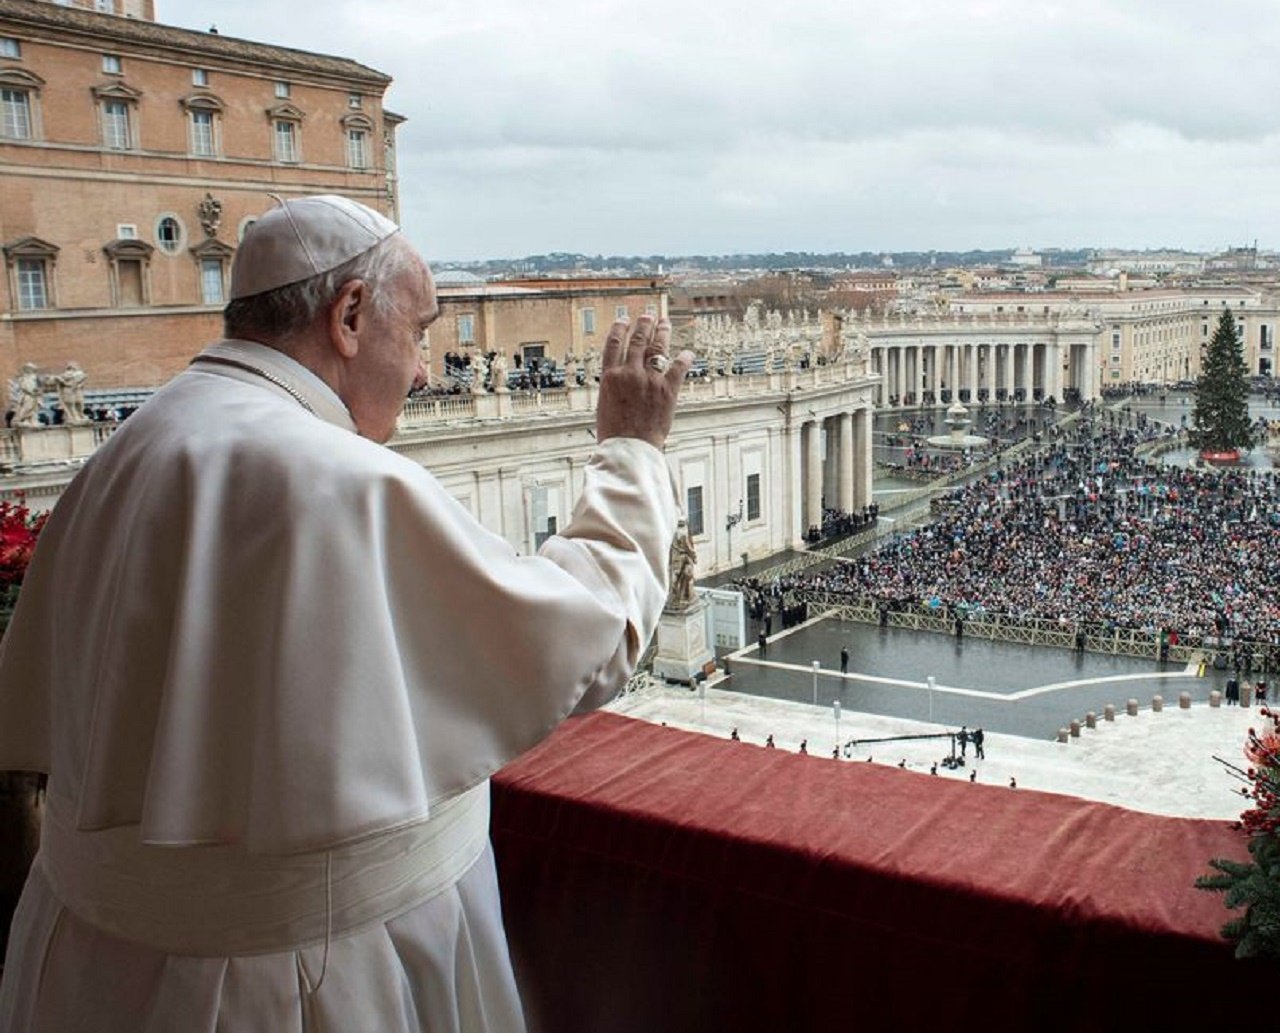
(656, 880)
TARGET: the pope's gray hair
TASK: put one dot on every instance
(279, 314)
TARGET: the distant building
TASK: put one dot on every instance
(1151, 336)
(132, 157)
(538, 319)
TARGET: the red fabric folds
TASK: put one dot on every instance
(655, 879)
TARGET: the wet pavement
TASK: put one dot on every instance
(1005, 687)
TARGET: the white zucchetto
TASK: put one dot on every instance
(303, 237)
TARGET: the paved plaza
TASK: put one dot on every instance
(1005, 687)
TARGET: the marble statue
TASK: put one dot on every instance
(25, 391)
(498, 372)
(479, 368)
(684, 558)
(70, 387)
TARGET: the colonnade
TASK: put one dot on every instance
(835, 464)
(929, 372)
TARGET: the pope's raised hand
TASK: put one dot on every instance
(639, 381)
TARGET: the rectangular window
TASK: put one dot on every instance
(1115, 341)
(753, 496)
(282, 89)
(651, 310)
(357, 148)
(105, 6)
(111, 64)
(127, 231)
(10, 47)
(199, 77)
(466, 329)
(693, 509)
(15, 114)
(129, 275)
(33, 291)
(588, 321)
(353, 100)
(620, 312)
(115, 125)
(202, 143)
(286, 141)
(211, 281)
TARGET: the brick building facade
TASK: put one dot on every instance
(132, 157)
(537, 319)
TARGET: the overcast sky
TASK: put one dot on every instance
(715, 126)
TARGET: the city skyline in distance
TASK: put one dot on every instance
(720, 129)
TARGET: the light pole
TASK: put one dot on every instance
(931, 681)
(835, 707)
(816, 665)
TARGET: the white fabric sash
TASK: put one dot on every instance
(221, 900)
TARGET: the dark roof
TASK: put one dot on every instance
(101, 27)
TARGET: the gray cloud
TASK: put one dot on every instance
(713, 126)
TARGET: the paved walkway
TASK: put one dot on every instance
(1007, 687)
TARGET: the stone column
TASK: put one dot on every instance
(1006, 371)
(831, 464)
(813, 476)
(862, 466)
(973, 372)
(846, 462)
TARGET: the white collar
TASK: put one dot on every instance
(286, 373)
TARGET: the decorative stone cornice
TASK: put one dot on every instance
(357, 121)
(116, 91)
(128, 247)
(20, 78)
(285, 112)
(202, 101)
(212, 248)
(30, 247)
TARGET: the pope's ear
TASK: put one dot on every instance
(347, 315)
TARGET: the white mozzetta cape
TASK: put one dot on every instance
(246, 624)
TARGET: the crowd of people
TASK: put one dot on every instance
(1086, 531)
(838, 524)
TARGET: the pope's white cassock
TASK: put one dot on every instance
(269, 667)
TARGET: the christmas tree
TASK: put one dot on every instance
(1220, 419)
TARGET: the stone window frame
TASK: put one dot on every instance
(362, 124)
(208, 250)
(182, 233)
(19, 80)
(118, 93)
(10, 48)
(128, 249)
(32, 249)
(204, 102)
(289, 114)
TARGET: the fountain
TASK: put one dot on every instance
(959, 438)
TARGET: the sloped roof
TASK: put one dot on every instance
(103, 27)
